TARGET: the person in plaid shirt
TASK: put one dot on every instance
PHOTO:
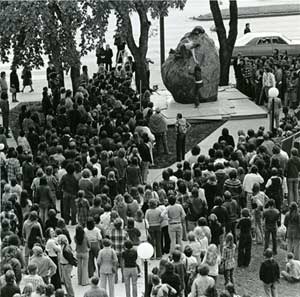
(13, 166)
(118, 237)
(228, 258)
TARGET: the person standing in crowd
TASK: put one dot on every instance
(69, 186)
(66, 262)
(159, 127)
(27, 78)
(108, 58)
(14, 83)
(176, 216)
(145, 150)
(247, 28)
(272, 218)
(53, 250)
(197, 85)
(100, 54)
(153, 218)
(182, 126)
(45, 266)
(3, 83)
(268, 82)
(50, 69)
(82, 255)
(4, 106)
(293, 169)
(130, 268)
(292, 224)
(269, 274)
(245, 240)
(84, 77)
(107, 266)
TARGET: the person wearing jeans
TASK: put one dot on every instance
(107, 266)
(269, 274)
(69, 186)
(176, 215)
(182, 127)
(130, 268)
(292, 175)
(272, 218)
(154, 218)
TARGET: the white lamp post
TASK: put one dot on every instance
(273, 93)
(145, 251)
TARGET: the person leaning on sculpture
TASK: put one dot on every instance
(188, 48)
(198, 84)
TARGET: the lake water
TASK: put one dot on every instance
(180, 22)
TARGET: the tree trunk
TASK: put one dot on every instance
(226, 43)
(141, 75)
(225, 61)
(75, 74)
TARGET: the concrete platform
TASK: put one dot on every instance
(231, 104)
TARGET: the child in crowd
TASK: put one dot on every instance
(195, 246)
(212, 259)
(191, 268)
(257, 215)
(228, 259)
(202, 239)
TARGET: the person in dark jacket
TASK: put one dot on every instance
(145, 150)
(245, 242)
(100, 54)
(27, 78)
(226, 137)
(14, 83)
(172, 279)
(272, 219)
(269, 274)
(108, 57)
(293, 168)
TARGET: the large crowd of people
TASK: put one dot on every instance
(254, 77)
(84, 161)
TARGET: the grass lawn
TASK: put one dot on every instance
(196, 134)
(247, 279)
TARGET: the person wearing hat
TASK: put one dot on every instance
(45, 266)
(159, 127)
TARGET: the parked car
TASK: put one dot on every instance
(263, 44)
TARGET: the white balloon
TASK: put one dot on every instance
(273, 92)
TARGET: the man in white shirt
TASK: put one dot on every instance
(268, 82)
(249, 180)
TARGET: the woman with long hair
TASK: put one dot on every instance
(292, 223)
(94, 238)
(35, 236)
(121, 207)
(82, 252)
(53, 250)
(212, 259)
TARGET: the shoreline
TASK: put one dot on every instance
(256, 12)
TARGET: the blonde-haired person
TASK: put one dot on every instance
(202, 239)
(228, 258)
(212, 259)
